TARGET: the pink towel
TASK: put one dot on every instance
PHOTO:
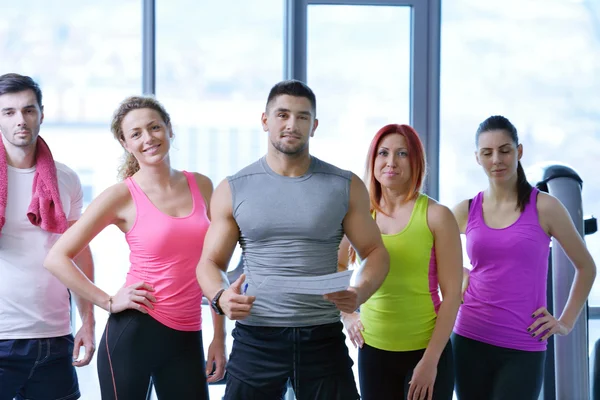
(45, 209)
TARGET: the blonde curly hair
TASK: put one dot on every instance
(130, 165)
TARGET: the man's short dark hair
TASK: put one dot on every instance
(294, 88)
(14, 83)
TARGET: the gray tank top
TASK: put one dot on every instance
(289, 227)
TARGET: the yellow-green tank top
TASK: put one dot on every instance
(401, 315)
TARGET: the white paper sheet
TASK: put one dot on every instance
(321, 284)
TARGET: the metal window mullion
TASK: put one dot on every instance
(425, 83)
(295, 39)
(401, 3)
(148, 47)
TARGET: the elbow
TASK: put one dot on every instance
(386, 260)
(379, 261)
(199, 273)
(452, 299)
(55, 259)
(50, 262)
(456, 300)
(592, 272)
(587, 270)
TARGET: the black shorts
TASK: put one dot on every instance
(313, 359)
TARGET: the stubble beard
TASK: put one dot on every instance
(290, 150)
(22, 143)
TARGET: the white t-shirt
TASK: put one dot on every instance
(33, 303)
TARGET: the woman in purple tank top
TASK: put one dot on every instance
(503, 325)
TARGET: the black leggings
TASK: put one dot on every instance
(141, 348)
(484, 371)
(384, 375)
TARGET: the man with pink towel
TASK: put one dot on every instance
(39, 200)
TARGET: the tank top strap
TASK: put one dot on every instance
(420, 212)
(138, 195)
(475, 209)
(531, 207)
(197, 196)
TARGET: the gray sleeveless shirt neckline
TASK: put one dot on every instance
(289, 226)
(275, 175)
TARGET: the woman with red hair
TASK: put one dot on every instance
(403, 330)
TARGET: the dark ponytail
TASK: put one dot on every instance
(500, 123)
(524, 188)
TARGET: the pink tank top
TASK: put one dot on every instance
(164, 252)
(508, 280)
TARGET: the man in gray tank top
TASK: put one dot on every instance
(289, 212)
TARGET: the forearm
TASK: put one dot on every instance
(580, 290)
(86, 264)
(371, 273)
(73, 278)
(219, 332)
(211, 278)
(344, 315)
(443, 327)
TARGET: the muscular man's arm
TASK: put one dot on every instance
(216, 350)
(363, 234)
(219, 244)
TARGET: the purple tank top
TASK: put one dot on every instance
(508, 280)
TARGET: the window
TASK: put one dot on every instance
(360, 72)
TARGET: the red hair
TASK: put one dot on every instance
(416, 159)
